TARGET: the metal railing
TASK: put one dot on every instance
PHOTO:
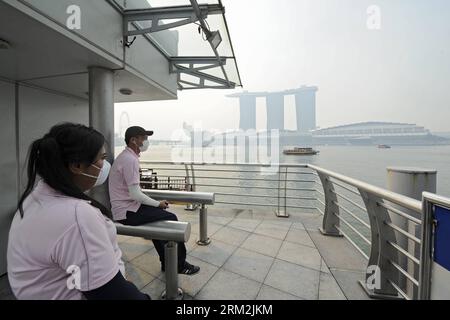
(371, 231)
(197, 198)
(248, 185)
(356, 210)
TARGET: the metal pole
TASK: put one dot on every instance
(282, 212)
(286, 215)
(190, 206)
(410, 182)
(204, 240)
(171, 262)
(426, 249)
(101, 117)
(278, 192)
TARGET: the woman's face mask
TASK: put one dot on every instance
(102, 176)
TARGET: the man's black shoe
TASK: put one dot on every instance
(188, 269)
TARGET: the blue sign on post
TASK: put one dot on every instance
(442, 237)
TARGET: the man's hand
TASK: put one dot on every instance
(163, 204)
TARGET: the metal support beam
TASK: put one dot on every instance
(183, 14)
(221, 83)
(101, 118)
(204, 240)
(176, 64)
(381, 253)
(331, 221)
(171, 262)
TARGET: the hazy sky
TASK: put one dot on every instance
(400, 73)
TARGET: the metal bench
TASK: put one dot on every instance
(173, 232)
(198, 198)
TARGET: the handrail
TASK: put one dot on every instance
(396, 198)
(400, 213)
(379, 204)
(201, 198)
(182, 196)
(263, 165)
(162, 230)
(234, 178)
(384, 250)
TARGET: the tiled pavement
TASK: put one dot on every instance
(252, 255)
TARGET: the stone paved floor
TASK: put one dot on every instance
(253, 256)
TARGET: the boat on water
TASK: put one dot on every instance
(301, 151)
(384, 146)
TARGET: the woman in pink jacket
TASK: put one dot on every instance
(62, 243)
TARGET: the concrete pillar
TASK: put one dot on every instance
(101, 117)
(247, 112)
(275, 111)
(410, 182)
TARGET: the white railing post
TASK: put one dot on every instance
(381, 270)
(331, 220)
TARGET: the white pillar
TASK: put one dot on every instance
(101, 117)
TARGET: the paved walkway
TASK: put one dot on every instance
(254, 256)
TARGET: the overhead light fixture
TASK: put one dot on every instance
(126, 92)
(214, 38)
(4, 45)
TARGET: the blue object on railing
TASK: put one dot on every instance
(442, 237)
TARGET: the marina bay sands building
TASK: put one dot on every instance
(305, 100)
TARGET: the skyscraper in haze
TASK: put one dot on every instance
(275, 111)
(248, 112)
(305, 100)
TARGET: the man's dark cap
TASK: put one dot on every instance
(133, 132)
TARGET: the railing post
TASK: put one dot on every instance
(281, 212)
(171, 262)
(204, 240)
(190, 206)
(331, 214)
(426, 250)
(380, 268)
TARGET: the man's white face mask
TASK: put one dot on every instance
(144, 147)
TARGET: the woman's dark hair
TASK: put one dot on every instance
(50, 157)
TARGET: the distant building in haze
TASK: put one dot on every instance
(305, 101)
(368, 133)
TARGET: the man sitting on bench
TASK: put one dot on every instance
(130, 206)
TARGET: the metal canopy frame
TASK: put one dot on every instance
(154, 15)
(192, 66)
